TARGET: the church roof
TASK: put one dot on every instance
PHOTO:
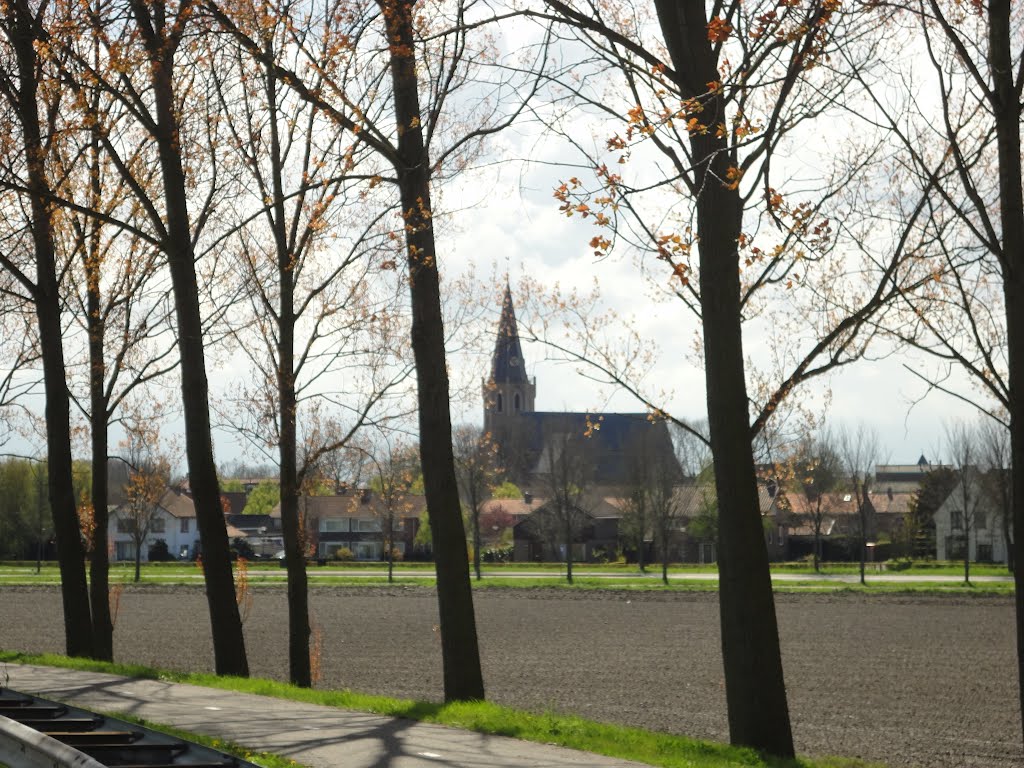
(612, 438)
(508, 365)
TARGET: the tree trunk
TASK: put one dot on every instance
(299, 632)
(1007, 111)
(863, 544)
(754, 685)
(463, 679)
(967, 553)
(476, 539)
(99, 563)
(755, 688)
(225, 622)
(664, 564)
(568, 546)
(138, 561)
(70, 552)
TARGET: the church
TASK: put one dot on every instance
(531, 441)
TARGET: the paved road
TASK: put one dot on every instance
(319, 737)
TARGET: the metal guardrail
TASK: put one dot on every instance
(37, 733)
(25, 747)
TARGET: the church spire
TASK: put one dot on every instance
(507, 365)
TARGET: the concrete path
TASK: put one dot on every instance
(319, 737)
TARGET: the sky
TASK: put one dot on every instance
(509, 225)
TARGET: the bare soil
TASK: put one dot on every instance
(905, 680)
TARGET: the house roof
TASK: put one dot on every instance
(178, 503)
(236, 501)
(362, 503)
(842, 503)
(609, 503)
(692, 497)
(518, 508)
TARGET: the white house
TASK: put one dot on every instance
(173, 520)
(976, 518)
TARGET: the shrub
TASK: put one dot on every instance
(158, 552)
(343, 553)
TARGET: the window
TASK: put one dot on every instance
(185, 524)
(124, 525)
(334, 525)
(984, 553)
(124, 550)
(979, 520)
(500, 402)
(363, 525)
(158, 525)
(515, 402)
(957, 519)
(367, 550)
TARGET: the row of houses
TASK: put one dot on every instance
(359, 524)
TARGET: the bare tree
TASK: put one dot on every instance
(151, 66)
(477, 470)
(717, 98)
(431, 58)
(149, 473)
(394, 463)
(859, 451)
(963, 144)
(31, 97)
(817, 472)
(565, 470)
(962, 443)
(315, 327)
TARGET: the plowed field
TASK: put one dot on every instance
(927, 681)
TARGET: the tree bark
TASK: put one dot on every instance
(463, 679)
(21, 25)
(299, 667)
(1007, 112)
(99, 563)
(225, 622)
(754, 684)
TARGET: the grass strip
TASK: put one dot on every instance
(264, 759)
(653, 748)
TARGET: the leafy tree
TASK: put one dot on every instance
(507, 490)
(263, 498)
(231, 485)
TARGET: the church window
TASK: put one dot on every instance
(499, 402)
(515, 403)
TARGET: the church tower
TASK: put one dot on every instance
(509, 391)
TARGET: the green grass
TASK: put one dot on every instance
(585, 579)
(659, 749)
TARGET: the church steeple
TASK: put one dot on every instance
(507, 365)
(509, 391)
